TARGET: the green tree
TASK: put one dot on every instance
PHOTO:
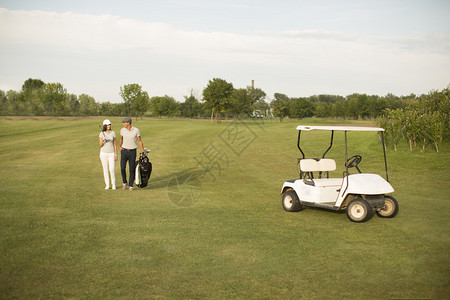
(280, 106)
(241, 103)
(437, 101)
(129, 94)
(13, 103)
(53, 97)
(191, 107)
(106, 109)
(31, 85)
(380, 105)
(301, 108)
(262, 106)
(73, 104)
(393, 126)
(164, 106)
(256, 94)
(424, 129)
(322, 110)
(218, 96)
(338, 109)
(358, 106)
(3, 103)
(88, 106)
(394, 102)
(328, 98)
(118, 109)
(436, 125)
(142, 103)
(411, 126)
(257, 101)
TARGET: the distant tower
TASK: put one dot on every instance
(253, 84)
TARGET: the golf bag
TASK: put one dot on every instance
(143, 170)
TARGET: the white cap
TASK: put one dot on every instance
(107, 122)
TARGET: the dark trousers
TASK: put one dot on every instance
(130, 156)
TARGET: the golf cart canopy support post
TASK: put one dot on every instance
(331, 144)
(298, 144)
(301, 128)
(384, 152)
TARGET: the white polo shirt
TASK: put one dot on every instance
(130, 137)
(108, 146)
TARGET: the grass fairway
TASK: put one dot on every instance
(210, 224)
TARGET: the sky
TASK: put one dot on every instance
(175, 47)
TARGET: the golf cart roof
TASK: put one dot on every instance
(338, 128)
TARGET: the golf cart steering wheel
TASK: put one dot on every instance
(354, 161)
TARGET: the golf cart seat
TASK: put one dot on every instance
(310, 165)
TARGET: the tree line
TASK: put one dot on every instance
(420, 120)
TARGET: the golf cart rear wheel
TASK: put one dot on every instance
(390, 208)
(359, 210)
(290, 201)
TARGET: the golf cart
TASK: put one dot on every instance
(360, 194)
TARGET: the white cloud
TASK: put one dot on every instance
(96, 54)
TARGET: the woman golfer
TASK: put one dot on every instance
(108, 153)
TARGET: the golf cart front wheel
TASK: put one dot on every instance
(390, 209)
(359, 210)
(290, 201)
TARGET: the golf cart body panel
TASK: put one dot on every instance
(335, 190)
(314, 194)
(367, 184)
(360, 194)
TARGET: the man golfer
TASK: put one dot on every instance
(129, 138)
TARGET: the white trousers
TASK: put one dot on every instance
(108, 163)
